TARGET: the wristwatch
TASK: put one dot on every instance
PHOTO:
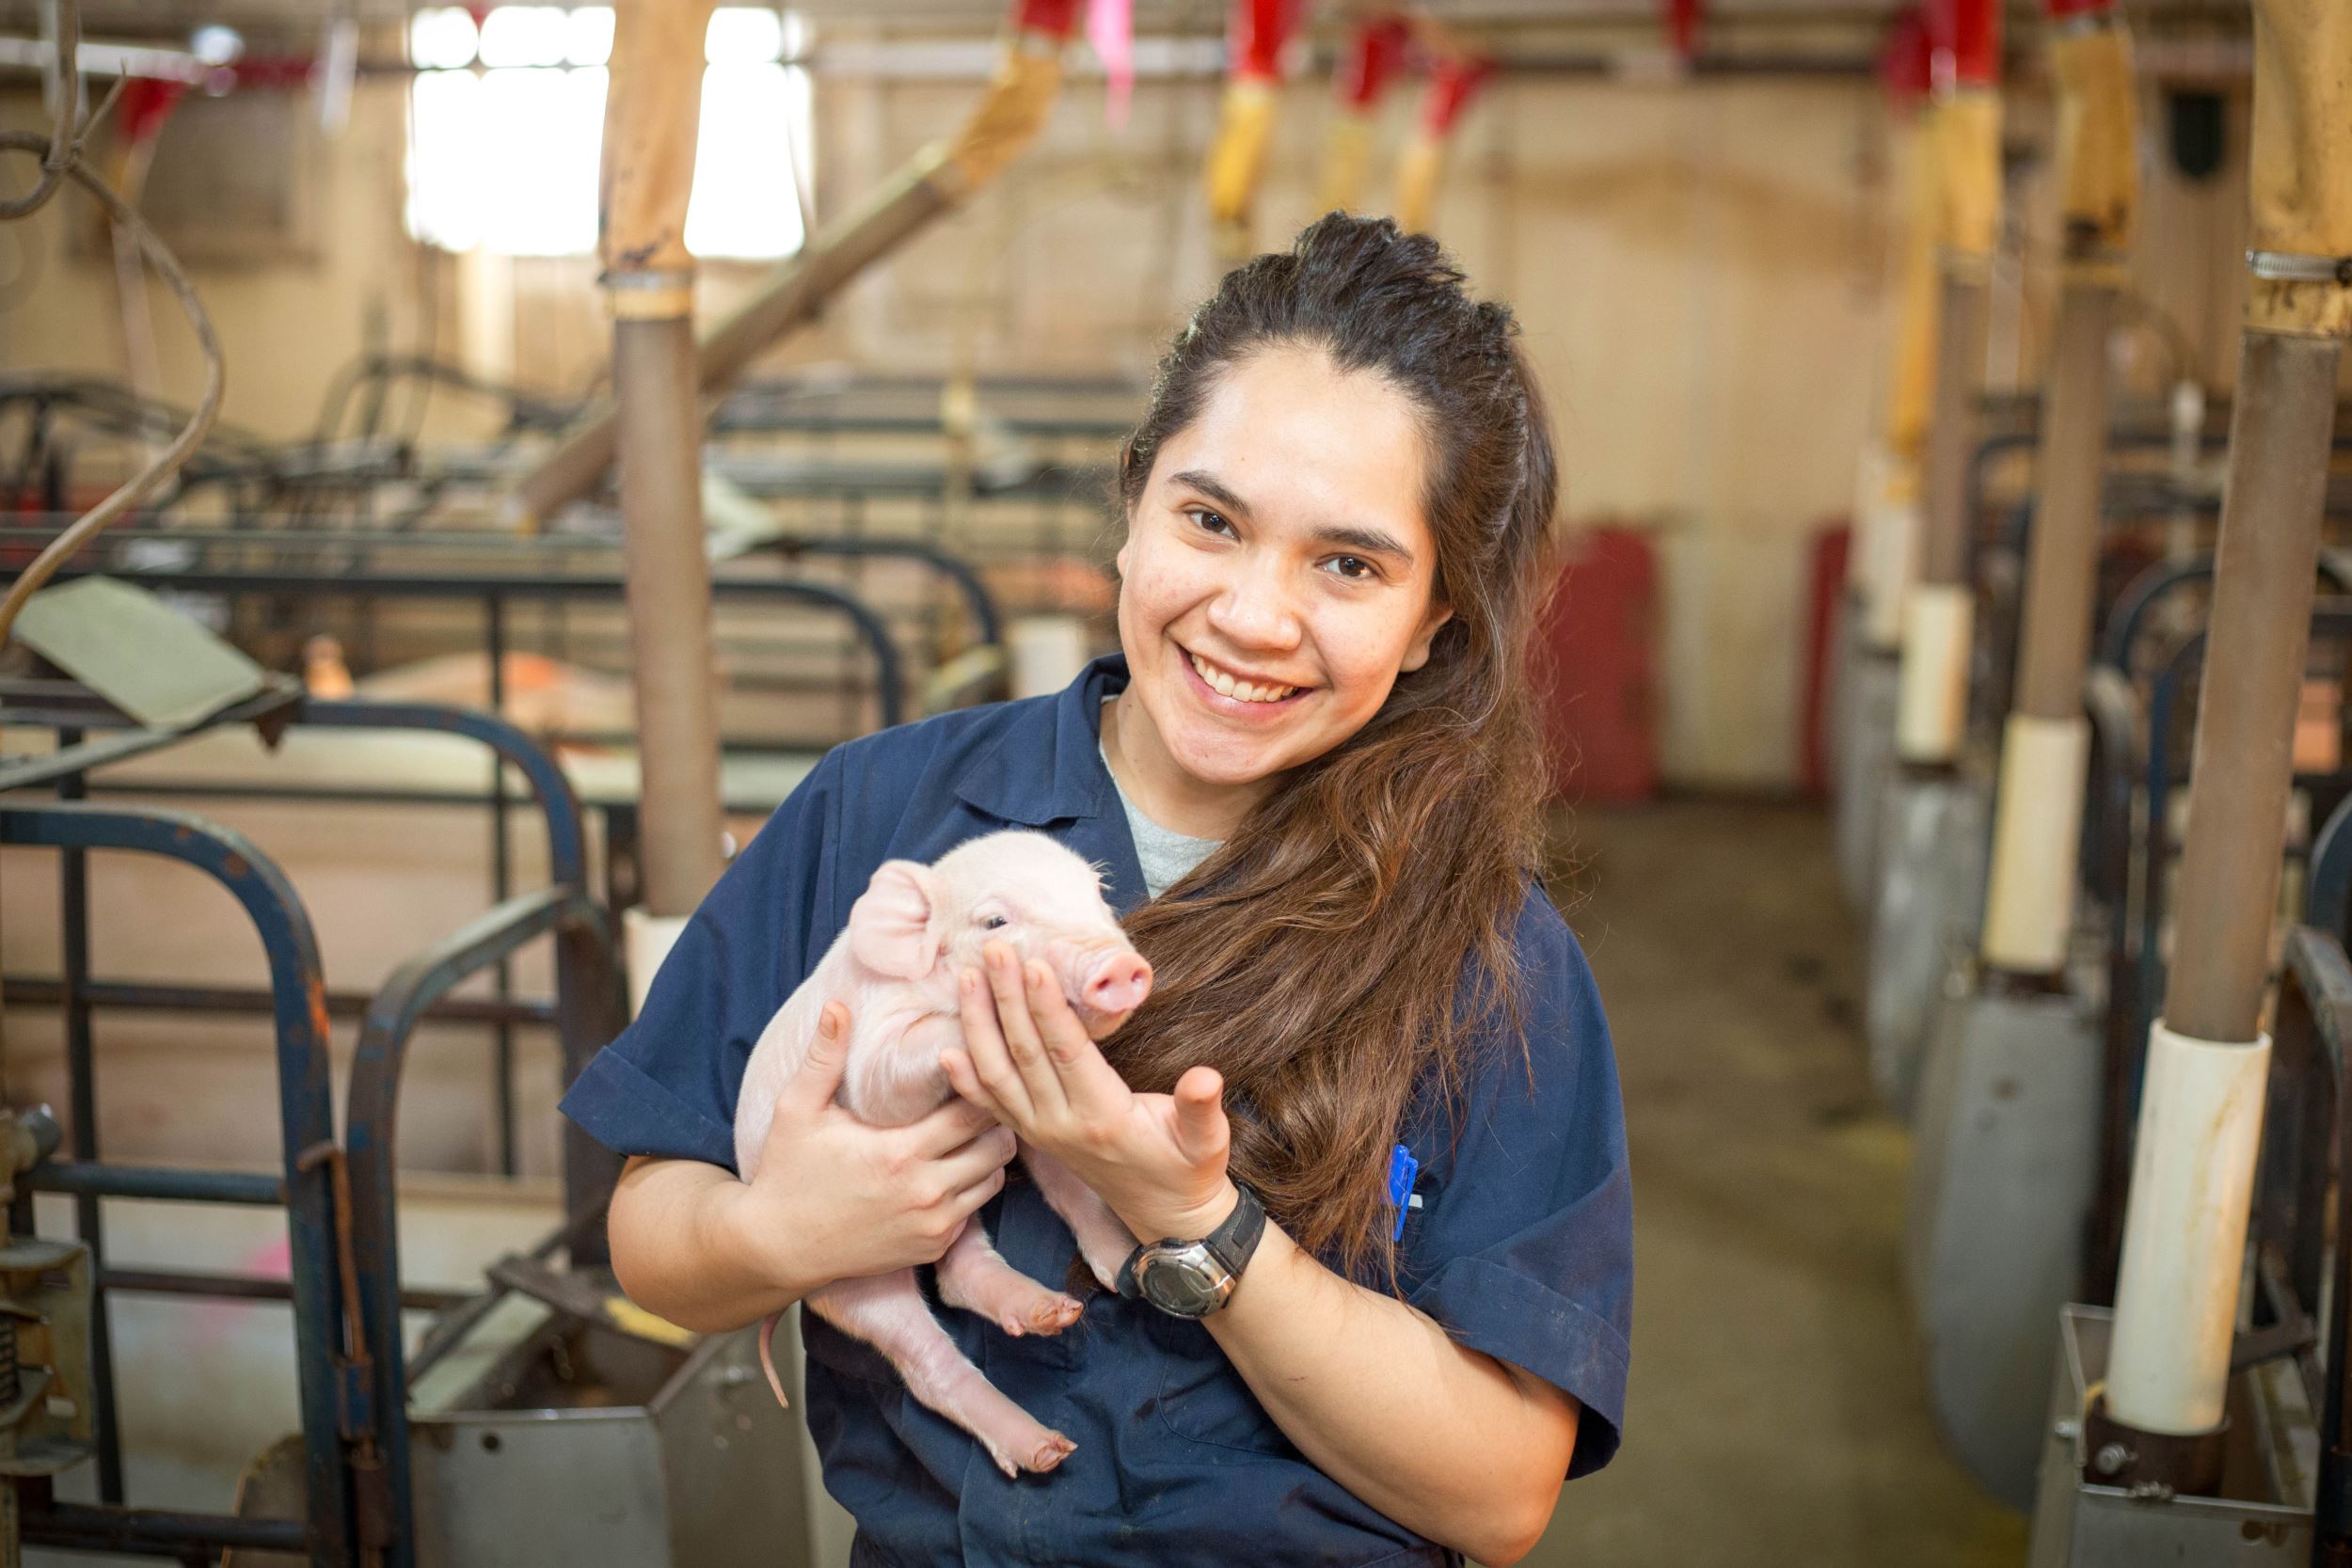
(1192, 1279)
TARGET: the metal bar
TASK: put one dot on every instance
(2259, 631)
(164, 1183)
(502, 1043)
(133, 994)
(34, 772)
(672, 660)
(182, 1282)
(372, 1122)
(2059, 577)
(425, 585)
(81, 1090)
(150, 1532)
(306, 1118)
(987, 619)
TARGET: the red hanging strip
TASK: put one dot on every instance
(1966, 35)
(1376, 53)
(1256, 37)
(1052, 19)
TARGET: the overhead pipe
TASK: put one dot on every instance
(1938, 612)
(2045, 746)
(1374, 54)
(1452, 83)
(652, 113)
(935, 181)
(1256, 35)
(1886, 510)
(2161, 1416)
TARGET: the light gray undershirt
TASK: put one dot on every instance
(1166, 857)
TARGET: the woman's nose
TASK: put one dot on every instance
(1256, 613)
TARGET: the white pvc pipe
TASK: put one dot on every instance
(1891, 535)
(2037, 831)
(1932, 706)
(645, 940)
(2185, 1231)
(1047, 651)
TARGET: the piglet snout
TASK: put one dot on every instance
(1118, 983)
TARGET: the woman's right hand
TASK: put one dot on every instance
(837, 1200)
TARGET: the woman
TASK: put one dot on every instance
(1316, 761)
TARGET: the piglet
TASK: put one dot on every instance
(909, 934)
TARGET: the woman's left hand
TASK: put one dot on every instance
(1158, 1160)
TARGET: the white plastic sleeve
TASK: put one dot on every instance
(1932, 706)
(645, 940)
(2037, 831)
(2185, 1231)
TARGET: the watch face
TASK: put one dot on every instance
(1186, 1280)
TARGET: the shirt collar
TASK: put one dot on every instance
(1047, 766)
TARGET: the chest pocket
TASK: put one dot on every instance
(1202, 1399)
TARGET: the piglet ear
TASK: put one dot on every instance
(894, 926)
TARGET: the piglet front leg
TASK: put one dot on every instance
(888, 1311)
(1103, 1239)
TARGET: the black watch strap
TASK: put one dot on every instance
(1234, 1241)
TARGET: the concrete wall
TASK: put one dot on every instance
(1696, 266)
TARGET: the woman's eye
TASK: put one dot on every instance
(994, 922)
(1209, 521)
(1354, 567)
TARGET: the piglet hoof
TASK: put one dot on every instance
(1050, 1316)
(1051, 1452)
(1036, 1456)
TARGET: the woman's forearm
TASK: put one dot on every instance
(1445, 1440)
(676, 1253)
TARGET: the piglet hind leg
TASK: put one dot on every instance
(1103, 1239)
(974, 1277)
(888, 1311)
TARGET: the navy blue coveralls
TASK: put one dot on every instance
(1521, 1242)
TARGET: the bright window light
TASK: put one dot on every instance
(444, 159)
(506, 158)
(742, 35)
(525, 36)
(589, 36)
(441, 38)
(743, 202)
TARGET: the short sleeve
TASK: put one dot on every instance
(1523, 1245)
(667, 1085)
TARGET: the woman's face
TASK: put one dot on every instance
(1278, 572)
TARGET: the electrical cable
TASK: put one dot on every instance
(63, 146)
(168, 268)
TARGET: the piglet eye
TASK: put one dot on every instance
(993, 921)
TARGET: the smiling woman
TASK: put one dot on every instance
(1366, 1124)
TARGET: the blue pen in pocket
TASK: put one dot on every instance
(1403, 1169)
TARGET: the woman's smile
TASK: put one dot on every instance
(1225, 691)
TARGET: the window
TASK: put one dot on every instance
(506, 124)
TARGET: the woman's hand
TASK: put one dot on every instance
(1157, 1160)
(835, 1198)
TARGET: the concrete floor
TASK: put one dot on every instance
(1777, 1413)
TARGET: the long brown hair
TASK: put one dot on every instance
(1347, 945)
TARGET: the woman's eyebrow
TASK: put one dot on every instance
(1371, 541)
(1208, 484)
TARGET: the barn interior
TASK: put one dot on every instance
(462, 466)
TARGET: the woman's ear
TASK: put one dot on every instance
(1416, 652)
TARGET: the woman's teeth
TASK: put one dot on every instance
(1239, 690)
